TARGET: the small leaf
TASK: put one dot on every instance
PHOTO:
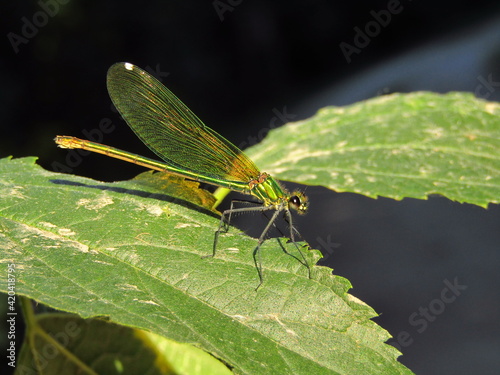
(59, 343)
(105, 249)
(396, 146)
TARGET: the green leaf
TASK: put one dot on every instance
(115, 250)
(66, 344)
(396, 146)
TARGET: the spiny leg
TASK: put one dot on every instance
(224, 224)
(288, 219)
(292, 238)
(256, 253)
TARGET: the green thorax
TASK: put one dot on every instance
(268, 190)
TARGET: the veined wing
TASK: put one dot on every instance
(171, 130)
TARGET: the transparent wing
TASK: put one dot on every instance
(171, 130)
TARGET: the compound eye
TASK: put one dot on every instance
(295, 201)
(298, 202)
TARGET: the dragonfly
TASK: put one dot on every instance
(190, 149)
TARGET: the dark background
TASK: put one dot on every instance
(235, 68)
